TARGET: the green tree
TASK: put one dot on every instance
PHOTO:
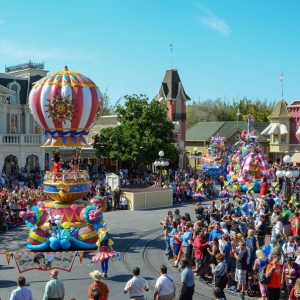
(144, 130)
(107, 107)
(219, 110)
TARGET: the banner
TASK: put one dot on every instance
(44, 261)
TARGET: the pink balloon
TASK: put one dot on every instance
(74, 206)
(41, 204)
(53, 234)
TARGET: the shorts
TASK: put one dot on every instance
(240, 276)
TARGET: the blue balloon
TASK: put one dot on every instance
(54, 243)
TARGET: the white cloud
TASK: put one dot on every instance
(15, 50)
(1, 21)
(211, 20)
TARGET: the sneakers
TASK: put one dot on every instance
(237, 291)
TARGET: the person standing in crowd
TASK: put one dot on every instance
(102, 287)
(136, 286)
(241, 267)
(216, 233)
(165, 287)
(54, 289)
(187, 282)
(186, 238)
(219, 272)
(261, 228)
(259, 263)
(21, 292)
(291, 272)
(274, 272)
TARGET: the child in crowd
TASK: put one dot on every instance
(123, 201)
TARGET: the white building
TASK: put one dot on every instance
(20, 138)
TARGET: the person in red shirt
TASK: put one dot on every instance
(274, 272)
(295, 292)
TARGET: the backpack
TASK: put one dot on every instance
(261, 275)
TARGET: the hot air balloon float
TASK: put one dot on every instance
(65, 105)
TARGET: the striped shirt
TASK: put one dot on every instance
(21, 293)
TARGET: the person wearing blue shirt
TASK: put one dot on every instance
(245, 208)
(216, 233)
(226, 248)
(186, 291)
(186, 246)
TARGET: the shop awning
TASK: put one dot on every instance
(283, 129)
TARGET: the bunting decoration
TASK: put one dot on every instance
(81, 253)
(8, 257)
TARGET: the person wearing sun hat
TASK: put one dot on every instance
(102, 287)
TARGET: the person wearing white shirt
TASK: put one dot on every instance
(277, 227)
(251, 206)
(22, 292)
(165, 287)
(136, 285)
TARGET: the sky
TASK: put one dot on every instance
(221, 49)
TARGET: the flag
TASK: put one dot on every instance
(8, 257)
(80, 255)
(238, 112)
(281, 77)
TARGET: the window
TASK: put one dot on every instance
(275, 138)
(13, 124)
(14, 97)
(283, 138)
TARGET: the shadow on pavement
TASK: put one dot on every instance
(8, 283)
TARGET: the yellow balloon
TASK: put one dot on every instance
(65, 225)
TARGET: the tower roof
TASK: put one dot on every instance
(280, 110)
(171, 86)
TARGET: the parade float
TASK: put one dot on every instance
(249, 165)
(65, 105)
(216, 160)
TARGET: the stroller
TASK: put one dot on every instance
(253, 287)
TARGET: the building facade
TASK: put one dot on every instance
(172, 93)
(20, 137)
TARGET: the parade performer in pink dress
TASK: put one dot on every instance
(105, 250)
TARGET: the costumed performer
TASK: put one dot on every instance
(57, 165)
(105, 249)
(264, 187)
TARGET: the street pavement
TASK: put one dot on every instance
(138, 238)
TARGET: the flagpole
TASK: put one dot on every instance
(282, 86)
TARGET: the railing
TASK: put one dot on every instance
(22, 139)
(29, 65)
(67, 176)
(179, 117)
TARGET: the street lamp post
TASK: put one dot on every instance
(196, 155)
(161, 162)
(287, 171)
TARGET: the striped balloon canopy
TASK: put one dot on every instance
(65, 103)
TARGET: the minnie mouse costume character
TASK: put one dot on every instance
(105, 249)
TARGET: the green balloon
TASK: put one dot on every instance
(56, 205)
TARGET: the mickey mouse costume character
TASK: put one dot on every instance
(56, 167)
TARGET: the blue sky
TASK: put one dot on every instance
(226, 49)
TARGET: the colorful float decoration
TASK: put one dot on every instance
(65, 105)
(216, 159)
(249, 162)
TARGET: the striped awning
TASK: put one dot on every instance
(276, 128)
